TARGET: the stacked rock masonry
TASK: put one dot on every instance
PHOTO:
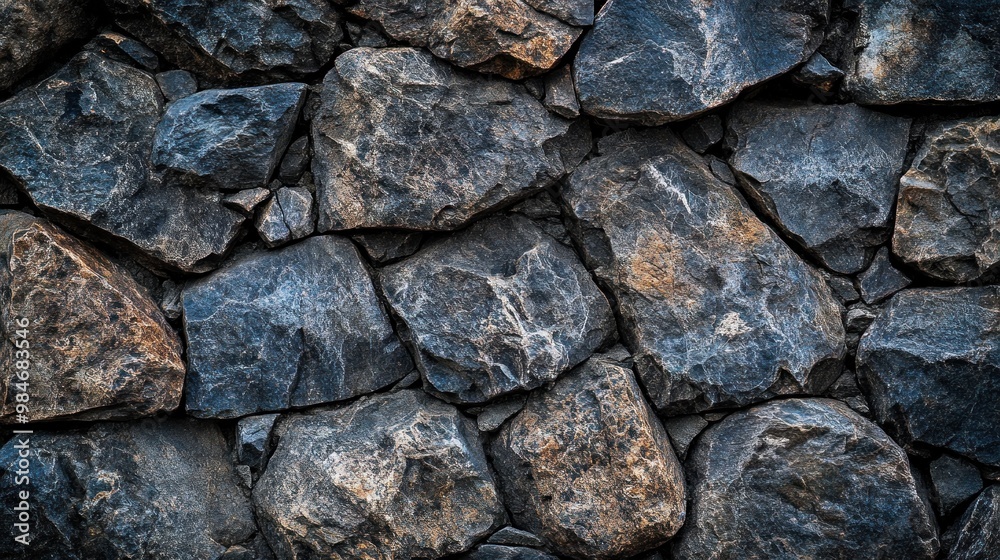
(500, 280)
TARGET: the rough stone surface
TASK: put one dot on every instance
(31, 31)
(924, 51)
(948, 214)
(295, 161)
(881, 280)
(228, 138)
(512, 536)
(403, 140)
(156, 490)
(930, 365)
(560, 93)
(515, 38)
(818, 73)
(78, 143)
(97, 345)
(392, 476)
(124, 49)
(246, 201)
(253, 440)
(293, 327)
(175, 84)
(520, 310)
(806, 169)
(829, 484)
(287, 216)
(496, 552)
(387, 246)
(954, 480)
(718, 311)
(587, 466)
(235, 40)
(979, 529)
(652, 62)
(703, 133)
(492, 416)
(683, 430)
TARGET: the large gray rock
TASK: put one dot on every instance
(79, 144)
(228, 138)
(718, 311)
(587, 466)
(948, 214)
(513, 38)
(404, 140)
(159, 490)
(650, 62)
(393, 476)
(924, 50)
(32, 31)
(499, 307)
(236, 40)
(978, 535)
(805, 168)
(803, 479)
(293, 327)
(930, 365)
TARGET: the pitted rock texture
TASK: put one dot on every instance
(978, 535)
(236, 40)
(924, 50)
(499, 307)
(79, 144)
(228, 138)
(31, 31)
(587, 466)
(403, 140)
(803, 479)
(806, 169)
(160, 490)
(930, 366)
(948, 214)
(516, 38)
(496, 552)
(651, 62)
(392, 476)
(717, 309)
(96, 346)
(288, 328)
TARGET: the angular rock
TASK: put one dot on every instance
(843, 288)
(718, 311)
(829, 484)
(930, 366)
(805, 168)
(683, 430)
(78, 143)
(287, 216)
(521, 310)
(514, 38)
(906, 51)
(948, 214)
(493, 416)
(228, 138)
(881, 280)
(128, 490)
(650, 62)
(247, 200)
(845, 389)
(124, 49)
(295, 162)
(31, 32)
(703, 133)
(587, 466)
(955, 481)
(511, 536)
(818, 73)
(287, 328)
(979, 529)
(253, 435)
(404, 140)
(398, 475)
(560, 93)
(235, 40)
(97, 346)
(496, 552)
(387, 246)
(176, 84)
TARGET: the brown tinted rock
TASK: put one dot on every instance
(33, 30)
(394, 476)
(587, 466)
(99, 346)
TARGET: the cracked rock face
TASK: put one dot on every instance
(497, 308)
(287, 328)
(79, 144)
(803, 479)
(651, 62)
(157, 490)
(978, 531)
(393, 476)
(948, 214)
(806, 169)
(403, 140)
(236, 40)
(925, 50)
(587, 466)
(718, 311)
(31, 31)
(515, 38)
(930, 366)
(98, 346)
